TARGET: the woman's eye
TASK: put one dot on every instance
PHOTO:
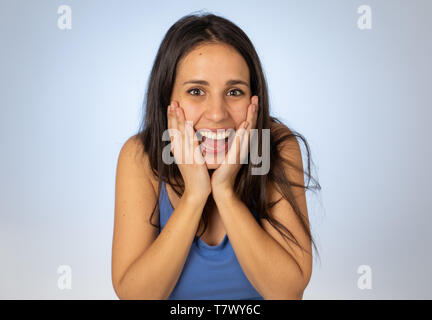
(238, 90)
(194, 90)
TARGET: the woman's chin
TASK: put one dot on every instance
(211, 166)
(214, 161)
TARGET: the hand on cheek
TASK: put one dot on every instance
(223, 178)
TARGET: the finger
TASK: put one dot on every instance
(171, 122)
(233, 156)
(252, 114)
(190, 141)
(239, 141)
(198, 153)
(255, 117)
(169, 116)
(244, 144)
(193, 144)
(180, 121)
(179, 115)
(175, 135)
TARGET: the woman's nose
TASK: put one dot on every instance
(216, 110)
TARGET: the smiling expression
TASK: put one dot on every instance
(212, 87)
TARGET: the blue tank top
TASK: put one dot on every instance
(209, 272)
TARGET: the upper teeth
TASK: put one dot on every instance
(215, 136)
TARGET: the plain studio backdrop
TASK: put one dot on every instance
(353, 77)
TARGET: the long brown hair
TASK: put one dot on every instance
(181, 38)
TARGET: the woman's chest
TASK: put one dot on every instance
(215, 231)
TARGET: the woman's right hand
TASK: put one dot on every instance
(187, 154)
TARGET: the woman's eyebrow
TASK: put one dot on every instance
(229, 82)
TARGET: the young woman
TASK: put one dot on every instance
(209, 229)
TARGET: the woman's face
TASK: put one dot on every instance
(212, 87)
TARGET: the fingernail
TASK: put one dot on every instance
(245, 125)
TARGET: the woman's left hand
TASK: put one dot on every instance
(223, 178)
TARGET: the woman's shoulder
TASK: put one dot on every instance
(287, 145)
(133, 151)
(289, 151)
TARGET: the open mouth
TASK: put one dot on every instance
(214, 142)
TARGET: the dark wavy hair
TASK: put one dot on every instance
(186, 34)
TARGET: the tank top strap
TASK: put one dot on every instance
(209, 272)
(165, 207)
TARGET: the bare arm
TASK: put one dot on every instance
(276, 269)
(146, 265)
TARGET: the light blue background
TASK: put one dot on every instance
(70, 99)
